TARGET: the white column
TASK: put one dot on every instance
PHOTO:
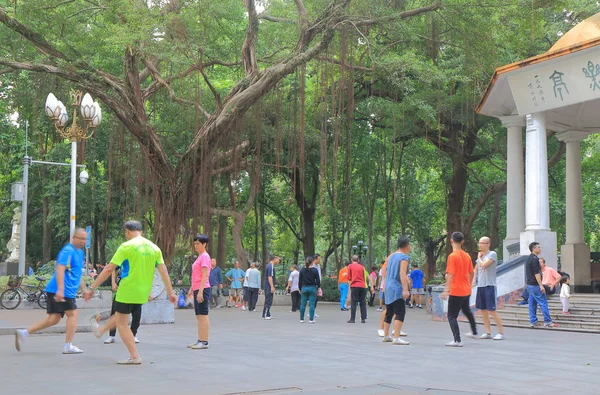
(537, 212)
(537, 202)
(575, 254)
(574, 193)
(515, 182)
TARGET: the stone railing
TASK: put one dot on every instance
(510, 282)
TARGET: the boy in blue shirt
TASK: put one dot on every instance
(417, 291)
(61, 292)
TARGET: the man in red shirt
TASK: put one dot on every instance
(358, 292)
(459, 276)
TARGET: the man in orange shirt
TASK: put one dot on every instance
(343, 285)
(459, 276)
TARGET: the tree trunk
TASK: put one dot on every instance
(240, 216)
(256, 227)
(263, 234)
(222, 241)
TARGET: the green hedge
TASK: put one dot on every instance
(331, 292)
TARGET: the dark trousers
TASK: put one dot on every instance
(296, 300)
(358, 295)
(456, 304)
(252, 298)
(371, 298)
(136, 315)
(268, 303)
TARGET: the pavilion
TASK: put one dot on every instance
(557, 91)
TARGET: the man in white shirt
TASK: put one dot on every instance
(293, 288)
(253, 279)
(245, 295)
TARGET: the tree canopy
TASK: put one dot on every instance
(276, 126)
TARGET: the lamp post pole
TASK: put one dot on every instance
(23, 234)
(72, 213)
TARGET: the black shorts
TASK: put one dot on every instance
(126, 308)
(245, 297)
(397, 308)
(486, 298)
(202, 308)
(55, 307)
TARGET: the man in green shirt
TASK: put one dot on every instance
(137, 258)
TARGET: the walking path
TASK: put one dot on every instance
(250, 355)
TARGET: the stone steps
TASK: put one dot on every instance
(584, 317)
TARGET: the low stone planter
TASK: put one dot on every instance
(158, 312)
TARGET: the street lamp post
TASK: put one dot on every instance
(92, 116)
(360, 249)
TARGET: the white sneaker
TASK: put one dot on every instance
(302, 321)
(486, 336)
(380, 332)
(471, 335)
(136, 339)
(267, 318)
(244, 308)
(453, 344)
(499, 336)
(379, 309)
(312, 322)
(402, 333)
(109, 340)
(400, 342)
(387, 339)
(71, 349)
(130, 361)
(193, 344)
(200, 346)
(95, 328)
(20, 336)
(317, 316)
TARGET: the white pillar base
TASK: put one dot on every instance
(575, 260)
(547, 240)
(506, 255)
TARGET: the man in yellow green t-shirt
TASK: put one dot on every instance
(137, 258)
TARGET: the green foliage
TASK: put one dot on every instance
(373, 177)
(331, 292)
(28, 281)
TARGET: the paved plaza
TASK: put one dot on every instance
(248, 355)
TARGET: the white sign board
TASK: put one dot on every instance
(561, 82)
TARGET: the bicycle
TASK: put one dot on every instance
(12, 297)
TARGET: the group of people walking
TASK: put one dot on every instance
(138, 257)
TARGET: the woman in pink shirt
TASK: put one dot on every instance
(201, 291)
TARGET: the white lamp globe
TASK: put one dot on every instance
(51, 104)
(97, 115)
(87, 107)
(63, 118)
(84, 177)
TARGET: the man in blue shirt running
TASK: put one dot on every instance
(61, 292)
